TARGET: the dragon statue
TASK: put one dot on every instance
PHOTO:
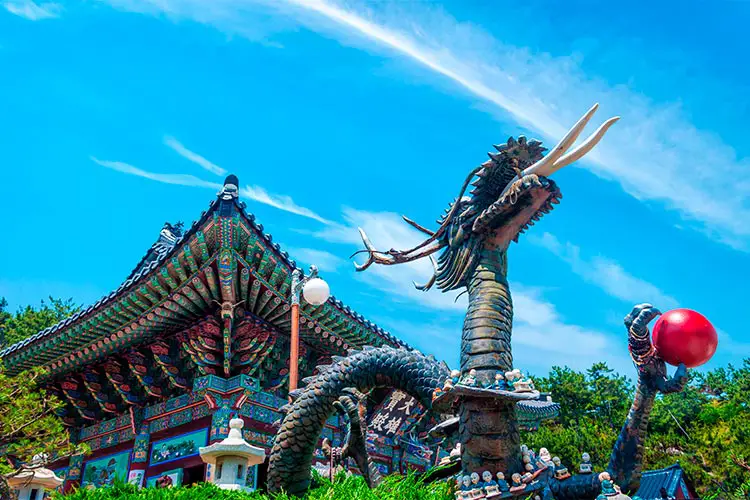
(511, 191)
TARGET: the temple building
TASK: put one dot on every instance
(197, 334)
(670, 482)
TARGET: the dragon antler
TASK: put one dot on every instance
(424, 249)
(557, 159)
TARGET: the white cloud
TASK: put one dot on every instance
(280, 201)
(32, 11)
(605, 274)
(543, 92)
(194, 157)
(325, 261)
(256, 193)
(179, 179)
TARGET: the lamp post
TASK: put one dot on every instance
(316, 292)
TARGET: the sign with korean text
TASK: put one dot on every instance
(398, 412)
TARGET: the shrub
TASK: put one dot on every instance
(345, 487)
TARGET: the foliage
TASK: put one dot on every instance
(345, 487)
(593, 407)
(28, 424)
(706, 427)
(28, 321)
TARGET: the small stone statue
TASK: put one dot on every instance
(510, 377)
(516, 484)
(487, 479)
(502, 484)
(520, 383)
(464, 491)
(499, 383)
(459, 495)
(545, 459)
(528, 476)
(527, 461)
(490, 485)
(476, 488)
(608, 489)
(454, 455)
(452, 380)
(561, 472)
(585, 467)
(470, 380)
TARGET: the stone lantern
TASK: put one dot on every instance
(227, 461)
(32, 481)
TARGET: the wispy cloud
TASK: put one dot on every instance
(33, 11)
(605, 273)
(280, 201)
(325, 261)
(255, 193)
(178, 179)
(192, 156)
(523, 83)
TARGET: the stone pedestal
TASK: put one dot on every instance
(228, 460)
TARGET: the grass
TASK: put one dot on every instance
(394, 487)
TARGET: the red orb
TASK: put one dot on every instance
(684, 336)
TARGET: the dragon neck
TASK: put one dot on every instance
(485, 340)
(626, 460)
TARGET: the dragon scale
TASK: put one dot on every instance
(292, 452)
(626, 461)
(487, 428)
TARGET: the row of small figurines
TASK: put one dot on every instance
(470, 487)
(512, 380)
(532, 463)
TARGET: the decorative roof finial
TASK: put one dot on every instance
(231, 188)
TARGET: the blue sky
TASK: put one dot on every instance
(120, 115)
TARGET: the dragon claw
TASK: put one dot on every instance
(641, 316)
(635, 312)
(678, 381)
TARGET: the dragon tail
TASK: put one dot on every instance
(291, 456)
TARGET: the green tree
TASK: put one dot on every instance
(593, 405)
(706, 427)
(28, 421)
(29, 320)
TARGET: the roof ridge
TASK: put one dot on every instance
(228, 192)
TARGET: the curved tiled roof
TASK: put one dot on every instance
(157, 255)
(671, 478)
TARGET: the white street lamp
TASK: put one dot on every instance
(316, 292)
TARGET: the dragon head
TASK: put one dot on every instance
(510, 192)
